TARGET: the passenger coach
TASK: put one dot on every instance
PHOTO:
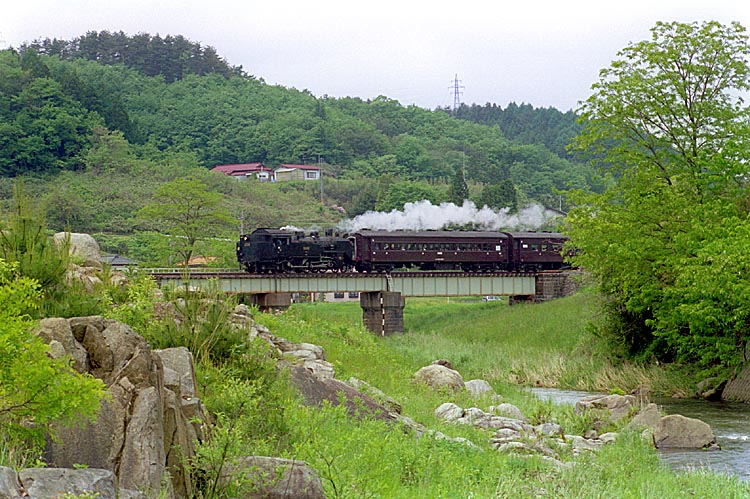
(469, 251)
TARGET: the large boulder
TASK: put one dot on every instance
(479, 388)
(260, 477)
(647, 418)
(48, 483)
(316, 391)
(440, 377)
(83, 247)
(679, 432)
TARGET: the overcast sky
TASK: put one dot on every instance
(541, 52)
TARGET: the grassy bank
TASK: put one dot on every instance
(508, 346)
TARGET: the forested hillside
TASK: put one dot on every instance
(526, 124)
(115, 105)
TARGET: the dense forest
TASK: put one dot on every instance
(95, 124)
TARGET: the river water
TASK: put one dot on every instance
(730, 422)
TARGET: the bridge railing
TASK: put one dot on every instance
(180, 270)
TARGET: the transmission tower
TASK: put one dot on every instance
(457, 91)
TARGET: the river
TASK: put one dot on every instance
(730, 422)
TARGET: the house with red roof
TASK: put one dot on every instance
(297, 172)
(244, 171)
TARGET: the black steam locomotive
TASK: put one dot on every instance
(279, 250)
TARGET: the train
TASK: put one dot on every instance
(280, 251)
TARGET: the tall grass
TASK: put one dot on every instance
(532, 345)
(547, 344)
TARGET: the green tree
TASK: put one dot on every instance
(24, 242)
(499, 196)
(35, 388)
(667, 121)
(186, 209)
(458, 191)
(400, 193)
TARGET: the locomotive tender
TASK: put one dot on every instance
(279, 250)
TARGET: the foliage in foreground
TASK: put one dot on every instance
(36, 389)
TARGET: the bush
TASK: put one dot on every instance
(35, 389)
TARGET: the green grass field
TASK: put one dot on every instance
(510, 347)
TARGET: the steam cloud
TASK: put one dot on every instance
(423, 215)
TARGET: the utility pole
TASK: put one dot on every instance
(457, 91)
(320, 172)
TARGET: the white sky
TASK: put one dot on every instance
(541, 52)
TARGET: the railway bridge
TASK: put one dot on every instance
(382, 296)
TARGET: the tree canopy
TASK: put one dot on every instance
(667, 240)
(185, 208)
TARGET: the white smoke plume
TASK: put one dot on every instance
(423, 215)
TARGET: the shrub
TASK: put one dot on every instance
(35, 389)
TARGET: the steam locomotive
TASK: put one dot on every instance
(280, 250)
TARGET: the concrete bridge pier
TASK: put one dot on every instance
(268, 301)
(382, 312)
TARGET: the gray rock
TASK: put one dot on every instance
(581, 444)
(507, 410)
(243, 310)
(47, 483)
(57, 333)
(143, 460)
(548, 430)
(504, 435)
(274, 478)
(710, 388)
(438, 376)
(617, 406)
(10, 485)
(479, 387)
(648, 418)
(317, 391)
(131, 355)
(449, 412)
(321, 369)
(179, 371)
(608, 438)
(83, 247)
(362, 386)
(131, 494)
(676, 431)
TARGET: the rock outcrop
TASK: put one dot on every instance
(274, 478)
(144, 429)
